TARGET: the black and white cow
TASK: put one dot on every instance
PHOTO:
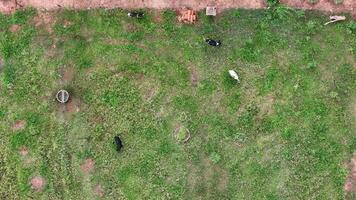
(138, 15)
(213, 42)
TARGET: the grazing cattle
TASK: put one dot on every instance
(213, 42)
(118, 143)
(138, 15)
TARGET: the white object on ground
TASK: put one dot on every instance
(234, 75)
(210, 11)
(335, 19)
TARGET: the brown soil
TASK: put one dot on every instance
(206, 175)
(14, 28)
(87, 166)
(66, 75)
(324, 5)
(266, 105)
(157, 17)
(8, 6)
(67, 110)
(37, 183)
(98, 191)
(350, 183)
(44, 19)
(223, 179)
(72, 106)
(193, 77)
(18, 125)
(23, 151)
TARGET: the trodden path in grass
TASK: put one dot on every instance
(7, 6)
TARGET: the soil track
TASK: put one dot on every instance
(7, 6)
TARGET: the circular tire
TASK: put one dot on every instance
(62, 96)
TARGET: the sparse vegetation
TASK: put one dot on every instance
(283, 132)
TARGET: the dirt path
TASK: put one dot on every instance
(7, 6)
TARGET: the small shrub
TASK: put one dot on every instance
(9, 74)
(334, 94)
(272, 2)
(215, 157)
(22, 16)
(313, 1)
(311, 65)
(351, 27)
(2, 112)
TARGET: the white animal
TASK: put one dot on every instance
(234, 75)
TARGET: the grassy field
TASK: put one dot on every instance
(285, 132)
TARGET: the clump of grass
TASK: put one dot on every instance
(215, 157)
(181, 134)
(313, 1)
(338, 1)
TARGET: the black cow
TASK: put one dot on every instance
(118, 143)
(138, 15)
(213, 42)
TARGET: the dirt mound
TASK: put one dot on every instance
(14, 28)
(87, 166)
(98, 190)
(44, 19)
(18, 125)
(193, 77)
(350, 183)
(23, 151)
(66, 75)
(37, 183)
(7, 6)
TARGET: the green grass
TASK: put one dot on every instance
(284, 132)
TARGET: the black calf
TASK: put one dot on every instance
(213, 42)
(138, 15)
(118, 143)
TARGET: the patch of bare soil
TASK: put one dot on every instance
(157, 16)
(323, 5)
(23, 151)
(44, 19)
(66, 75)
(73, 105)
(98, 191)
(18, 125)
(146, 85)
(8, 6)
(208, 175)
(37, 183)
(87, 166)
(350, 183)
(193, 77)
(66, 111)
(14, 28)
(266, 105)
